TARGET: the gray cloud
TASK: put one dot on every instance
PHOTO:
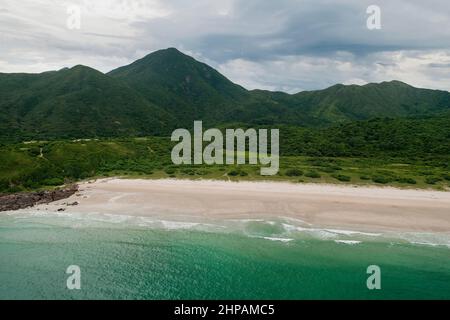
(286, 45)
(439, 65)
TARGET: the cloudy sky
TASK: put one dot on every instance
(288, 45)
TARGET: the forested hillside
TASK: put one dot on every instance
(168, 89)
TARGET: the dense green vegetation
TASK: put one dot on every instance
(167, 90)
(414, 139)
(387, 133)
(186, 88)
(401, 152)
(77, 102)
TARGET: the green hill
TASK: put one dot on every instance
(387, 99)
(168, 89)
(186, 88)
(191, 90)
(76, 102)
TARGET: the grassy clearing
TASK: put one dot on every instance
(23, 168)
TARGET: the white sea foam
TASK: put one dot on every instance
(350, 233)
(425, 239)
(427, 244)
(278, 239)
(174, 225)
(327, 233)
(289, 230)
(350, 242)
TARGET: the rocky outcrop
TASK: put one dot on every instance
(29, 199)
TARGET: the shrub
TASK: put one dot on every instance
(170, 171)
(432, 180)
(53, 182)
(364, 178)
(233, 173)
(34, 151)
(381, 179)
(342, 177)
(243, 174)
(294, 172)
(407, 180)
(446, 177)
(4, 185)
(312, 174)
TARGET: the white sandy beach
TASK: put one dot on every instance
(357, 208)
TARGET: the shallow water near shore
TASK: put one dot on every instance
(125, 257)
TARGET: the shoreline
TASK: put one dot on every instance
(329, 206)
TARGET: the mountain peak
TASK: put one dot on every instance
(170, 55)
(170, 50)
(185, 86)
(392, 83)
(159, 62)
(79, 68)
(396, 83)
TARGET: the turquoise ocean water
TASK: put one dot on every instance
(124, 257)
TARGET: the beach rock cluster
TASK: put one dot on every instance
(29, 199)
